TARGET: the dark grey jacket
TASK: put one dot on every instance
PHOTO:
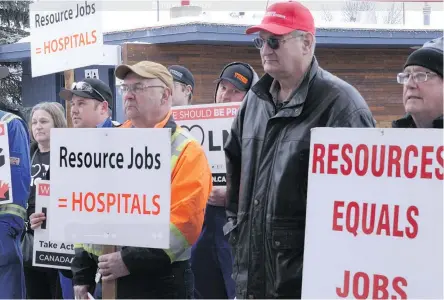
(267, 167)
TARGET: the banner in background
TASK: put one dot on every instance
(210, 124)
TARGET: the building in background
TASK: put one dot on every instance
(369, 59)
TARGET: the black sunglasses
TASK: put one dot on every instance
(272, 42)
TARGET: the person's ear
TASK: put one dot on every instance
(167, 94)
(189, 90)
(308, 43)
(105, 106)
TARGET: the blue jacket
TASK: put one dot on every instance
(107, 123)
(18, 136)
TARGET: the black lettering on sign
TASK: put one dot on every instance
(53, 259)
(219, 179)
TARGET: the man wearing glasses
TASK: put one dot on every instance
(143, 273)
(183, 85)
(423, 87)
(268, 152)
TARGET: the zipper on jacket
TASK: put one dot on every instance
(264, 225)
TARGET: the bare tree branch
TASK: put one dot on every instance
(14, 18)
(351, 10)
(327, 16)
(394, 14)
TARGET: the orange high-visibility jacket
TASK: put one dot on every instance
(191, 184)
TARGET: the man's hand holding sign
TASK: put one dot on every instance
(146, 193)
(111, 266)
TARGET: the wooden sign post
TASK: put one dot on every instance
(109, 288)
(69, 80)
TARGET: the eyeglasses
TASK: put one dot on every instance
(138, 88)
(272, 42)
(86, 87)
(418, 77)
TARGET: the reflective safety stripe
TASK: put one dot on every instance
(13, 209)
(9, 117)
(91, 248)
(179, 250)
(179, 140)
(178, 245)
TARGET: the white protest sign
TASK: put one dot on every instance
(374, 227)
(48, 253)
(65, 35)
(5, 166)
(111, 186)
(210, 124)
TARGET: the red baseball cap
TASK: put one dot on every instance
(284, 17)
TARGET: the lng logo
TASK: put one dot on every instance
(2, 129)
(197, 132)
(44, 189)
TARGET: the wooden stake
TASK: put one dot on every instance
(69, 80)
(109, 288)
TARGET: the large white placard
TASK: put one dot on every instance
(48, 253)
(65, 35)
(210, 124)
(111, 186)
(374, 226)
(5, 166)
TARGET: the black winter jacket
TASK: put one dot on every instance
(267, 168)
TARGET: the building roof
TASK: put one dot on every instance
(234, 34)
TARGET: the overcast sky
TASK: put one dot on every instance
(120, 15)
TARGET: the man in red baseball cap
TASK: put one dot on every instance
(267, 152)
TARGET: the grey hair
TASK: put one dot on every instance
(55, 110)
(302, 33)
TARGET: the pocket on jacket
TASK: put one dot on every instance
(286, 239)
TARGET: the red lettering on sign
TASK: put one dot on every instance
(372, 218)
(379, 160)
(134, 204)
(377, 286)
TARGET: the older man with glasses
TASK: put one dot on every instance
(423, 87)
(268, 152)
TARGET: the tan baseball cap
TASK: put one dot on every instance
(147, 69)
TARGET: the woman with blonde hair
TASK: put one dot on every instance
(41, 283)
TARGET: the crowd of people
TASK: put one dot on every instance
(245, 241)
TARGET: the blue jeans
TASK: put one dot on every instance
(67, 287)
(211, 258)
